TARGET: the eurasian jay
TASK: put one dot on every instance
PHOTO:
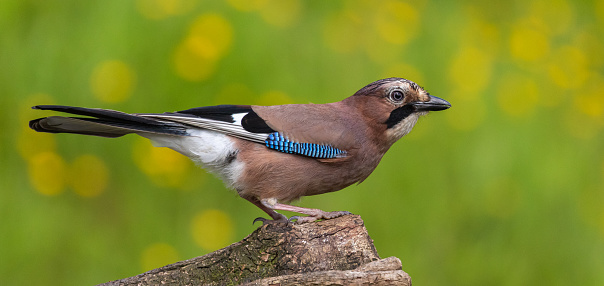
(272, 155)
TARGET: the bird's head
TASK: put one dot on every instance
(395, 104)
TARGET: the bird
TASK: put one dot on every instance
(273, 155)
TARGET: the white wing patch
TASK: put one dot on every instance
(237, 117)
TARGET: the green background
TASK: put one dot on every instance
(504, 188)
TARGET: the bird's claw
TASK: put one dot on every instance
(263, 220)
(271, 221)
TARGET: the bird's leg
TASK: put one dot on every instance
(313, 214)
(276, 217)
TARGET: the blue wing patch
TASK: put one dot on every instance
(277, 142)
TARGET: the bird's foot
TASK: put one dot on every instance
(318, 216)
(279, 219)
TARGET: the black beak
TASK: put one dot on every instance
(434, 104)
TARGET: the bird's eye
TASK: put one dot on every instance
(397, 96)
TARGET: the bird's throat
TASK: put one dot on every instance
(402, 128)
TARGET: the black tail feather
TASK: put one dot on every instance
(99, 113)
(103, 122)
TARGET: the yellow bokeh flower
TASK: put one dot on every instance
(190, 65)
(112, 81)
(208, 40)
(528, 44)
(158, 255)
(216, 32)
(212, 229)
(47, 172)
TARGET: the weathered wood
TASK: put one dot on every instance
(332, 252)
(381, 272)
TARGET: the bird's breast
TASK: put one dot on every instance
(286, 177)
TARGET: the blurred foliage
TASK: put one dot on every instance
(505, 188)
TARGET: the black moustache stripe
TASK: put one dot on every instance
(398, 115)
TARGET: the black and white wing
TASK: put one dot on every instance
(238, 121)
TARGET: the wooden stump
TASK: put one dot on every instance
(332, 252)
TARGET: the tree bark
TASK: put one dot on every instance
(331, 252)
